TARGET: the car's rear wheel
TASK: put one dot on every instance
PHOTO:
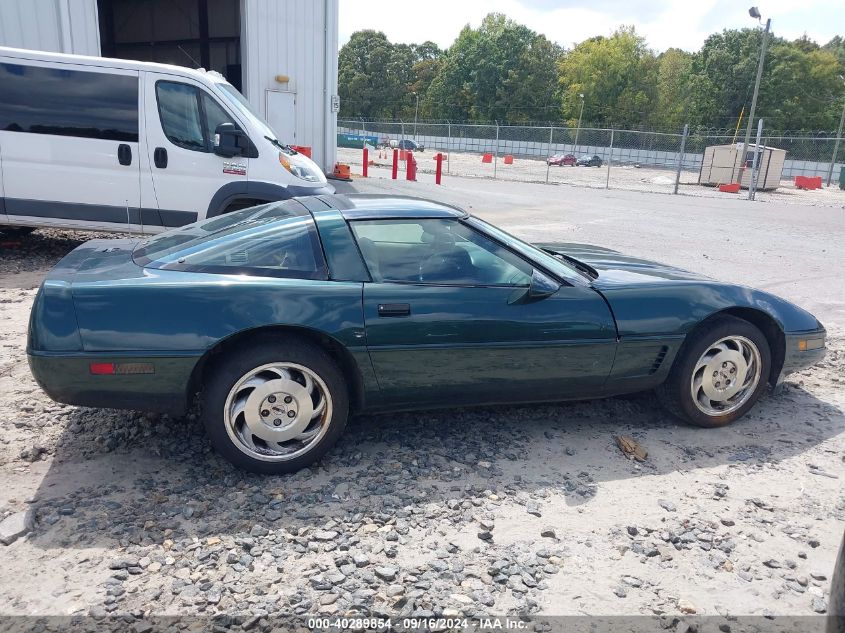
(275, 406)
(720, 373)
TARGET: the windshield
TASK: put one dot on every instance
(553, 264)
(239, 102)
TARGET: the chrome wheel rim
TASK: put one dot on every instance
(277, 412)
(726, 375)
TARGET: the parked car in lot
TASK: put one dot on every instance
(110, 144)
(589, 161)
(282, 319)
(561, 159)
(407, 144)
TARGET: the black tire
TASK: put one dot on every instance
(264, 350)
(16, 231)
(676, 393)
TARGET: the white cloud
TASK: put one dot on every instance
(665, 23)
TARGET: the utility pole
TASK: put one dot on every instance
(416, 112)
(836, 144)
(754, 13)
(578, 129)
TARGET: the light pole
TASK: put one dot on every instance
(416, 112)
(755, 13)
(580, 114)
(836, 144)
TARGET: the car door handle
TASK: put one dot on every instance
(394, 309)
(160, 157)
(124, 154)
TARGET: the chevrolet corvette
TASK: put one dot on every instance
(278, 321)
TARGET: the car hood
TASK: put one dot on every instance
(616, 269)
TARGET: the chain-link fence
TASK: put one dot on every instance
(694, 162)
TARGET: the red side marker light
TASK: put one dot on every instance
(101, 369)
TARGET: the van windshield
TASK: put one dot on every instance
(239, 102)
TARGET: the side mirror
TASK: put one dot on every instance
(541, 286)
(226, 137)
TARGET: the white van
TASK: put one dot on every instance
(110, 144)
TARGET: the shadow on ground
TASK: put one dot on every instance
(120, 478)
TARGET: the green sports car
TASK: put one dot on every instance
(278, 321)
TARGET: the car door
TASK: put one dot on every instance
(448, 320)
(70, 134)
(181, 119)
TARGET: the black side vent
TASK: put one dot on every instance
(658, 361)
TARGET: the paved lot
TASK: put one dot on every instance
(507, 510)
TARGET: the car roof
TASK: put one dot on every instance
(370, 206)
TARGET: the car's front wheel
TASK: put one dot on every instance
(275, 406)
(720, 373)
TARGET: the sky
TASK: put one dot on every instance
(665, 23)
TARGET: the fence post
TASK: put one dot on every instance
(496, 152)
(402, 130)
(549, 153)
(449, 148)
(755, 163)
(681, 157)
(609, 160)
(363, 129)
(836, 149)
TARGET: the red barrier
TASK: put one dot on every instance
(395, 163)
(410, 166)
(439, 171)
(808, 182)
(366, 162)
(487, 158)
(732, 187)
(508, 159)
(302, 149)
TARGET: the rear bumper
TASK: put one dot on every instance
(67, 378)
(803, 349)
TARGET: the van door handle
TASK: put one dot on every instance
(124, 154)
(394, 309)
(160, 157)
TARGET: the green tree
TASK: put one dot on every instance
(674, 74)
(617, 76)
(500, 71)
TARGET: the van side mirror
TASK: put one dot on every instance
(226, 140)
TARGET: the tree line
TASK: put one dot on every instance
(503, 71)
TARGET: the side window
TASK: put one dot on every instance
(266, 244)
(179, 111)
(441, 252)
(214, 116)
(63, 102)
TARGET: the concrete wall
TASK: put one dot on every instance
(59, 26)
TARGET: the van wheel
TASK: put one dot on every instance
(275, 406)
(16, 231)
(720, 375)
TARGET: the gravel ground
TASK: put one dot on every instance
(627, 177)
(515, 510)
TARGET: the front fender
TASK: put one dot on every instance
(676, 308)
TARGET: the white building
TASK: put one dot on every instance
(282, 54)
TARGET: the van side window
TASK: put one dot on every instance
(179, 110)
(62, 102)
(214, 116)
(189, 116)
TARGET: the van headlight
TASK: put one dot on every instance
(300, 168)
